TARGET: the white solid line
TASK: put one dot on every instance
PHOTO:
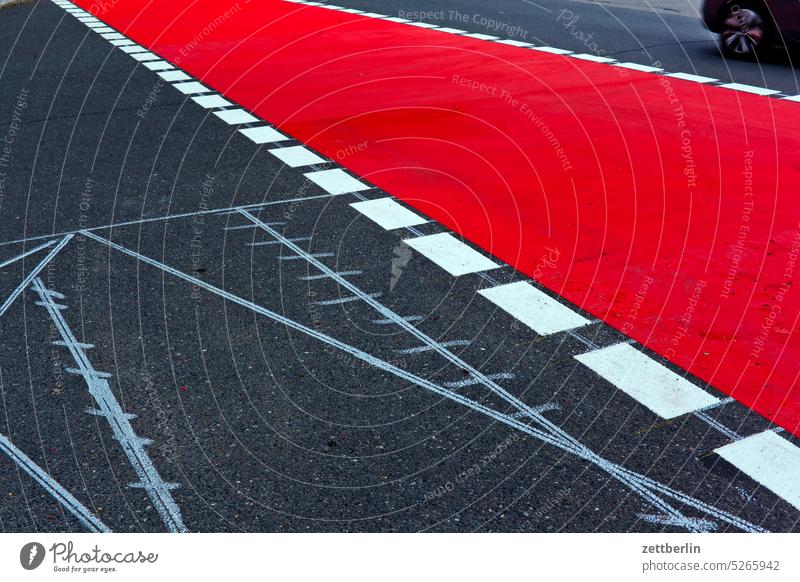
(647, 381)
(388, 214)
(451, 254)
(236, 116)
(749, 89)
(174, 76)
(533, 308)
(769, 459)
(211, 101)
(336, 181)
(297, 156)
(191, 87)
(157, 65)
(264, 134)
(638, 67)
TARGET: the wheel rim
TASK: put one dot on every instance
(743, 32)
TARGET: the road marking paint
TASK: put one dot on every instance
(396, 19)
(112, 36)
(473, 381)
(388, 214)
(451, 30)
(236, 116)
(27, 253)
(638, 67)
(303, 257)
(130, 442)
(517, 43)
(451, 254)
(427, 348)
(102, 29)
(134, 48)
(593, 58)
(769, 459)
(171, 76)
(792, 98)
(89, 520)
(267, 243)
(534, 308)
(748, 89)
(145, 56)
(423, 25)
(348, 299)
(692, 78)
(123, 42)
(34, 273)
(297, 156)
(265, 134)
(211, 101)
(550, 49)
(336, 181)
(158, 65)
(646, 488)
(393, 320)
(645, 380)
(373, 15)
(190, 87)
(331, 275)
(481, 36)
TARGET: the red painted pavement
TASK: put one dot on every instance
(666, 208)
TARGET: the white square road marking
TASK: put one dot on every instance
(388, 214)
(236, 116)
(157, 65)
(191, 88)
(123, 42)
(336, 181)
(513, 42)
(792, 98)
(770, 460)
(113, 36)
(264, 134)
(146, 56)
(451, 254)
(551, 49)
(480, 36)
(749, 89)
(172, 76)
(134, 48)
(533, 308)
(211, 101)
(451, 30)
(645, 380)
(297, 156)
(423, 25)
(102, 29)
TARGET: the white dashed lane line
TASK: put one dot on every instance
(236, 116)
(648, 382)
(749, 89)
(388, 214)
(191, 88)
(534, 308)
(451, 254)
(769, 459)
(211, 101)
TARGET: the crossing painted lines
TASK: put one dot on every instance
(534, 308)
(770, 460)
(645, 380)
(388, 214)
(451, 254)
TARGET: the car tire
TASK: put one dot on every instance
(745, 32)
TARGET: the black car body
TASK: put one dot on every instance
(747, 27)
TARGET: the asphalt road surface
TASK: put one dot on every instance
(196, 336)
